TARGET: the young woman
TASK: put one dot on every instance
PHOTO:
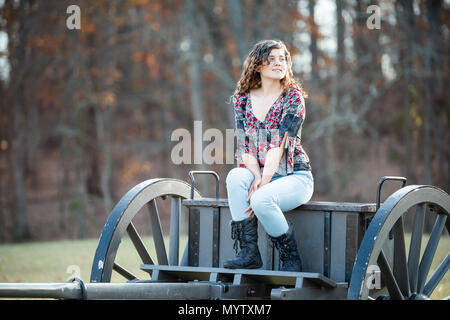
(274, 173)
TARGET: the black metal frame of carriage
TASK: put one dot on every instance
(340, 243)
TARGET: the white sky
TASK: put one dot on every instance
(325, 18)
(326, 22)
(4, 65)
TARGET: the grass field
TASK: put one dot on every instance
(58, 261)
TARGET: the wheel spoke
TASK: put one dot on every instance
(430, 250)
(447, 226)
(437, 276)
(157, 233)
(184, 258)
(138, 244)
(400, 264)
(392, 286)
(174, 230)
(123, 272)
(414, 248)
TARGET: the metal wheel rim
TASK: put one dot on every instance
(119, 222)
(383, 222)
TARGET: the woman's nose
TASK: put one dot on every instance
(277, 62)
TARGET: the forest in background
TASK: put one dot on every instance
(87, 114)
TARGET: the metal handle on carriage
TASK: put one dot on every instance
(380, 183)
(191, 176)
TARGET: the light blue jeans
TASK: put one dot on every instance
(281, 194)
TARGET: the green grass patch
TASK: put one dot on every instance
(57, 261)
(46, 261)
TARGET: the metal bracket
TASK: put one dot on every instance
(191, 176)
(194, 237)
(327, 244)
(380, 184)
(378, 201)
(216, 238)
(82, 286)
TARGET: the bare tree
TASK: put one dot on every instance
(18, 77)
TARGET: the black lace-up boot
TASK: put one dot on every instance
(245, 235)
(287, 248)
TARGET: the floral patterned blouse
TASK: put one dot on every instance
(255, 137)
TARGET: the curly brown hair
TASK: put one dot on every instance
(251, 78)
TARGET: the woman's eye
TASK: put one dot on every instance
(271, 59)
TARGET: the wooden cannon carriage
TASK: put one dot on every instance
(348, 250)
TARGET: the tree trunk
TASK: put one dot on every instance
(103, 114)
(314, 112)
(432, 91)
(193, 56)
(239, 27)
(335, 108)
(18, 83)
(340, 35)
(220, 66)
(439, 98)
(313, 42)
(405, 17)
(195, 87)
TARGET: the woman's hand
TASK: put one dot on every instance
(256, 184)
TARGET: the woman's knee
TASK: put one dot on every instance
(261, 201)
(238, 177)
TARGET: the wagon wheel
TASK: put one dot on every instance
(120, 222)
(409, 277)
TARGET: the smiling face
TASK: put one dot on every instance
(275, 67)
(268, 60)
